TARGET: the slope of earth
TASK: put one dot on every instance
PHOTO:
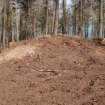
(53, 71)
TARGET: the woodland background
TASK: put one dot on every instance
(24, 19)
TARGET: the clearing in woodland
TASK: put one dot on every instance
(53, 71)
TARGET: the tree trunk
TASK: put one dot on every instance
(17, 22)
(4, 24)
(75, 19)
(55, 31)
(64, 18)
(101, 18)
(46, 16)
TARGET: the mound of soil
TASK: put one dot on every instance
(53, 71)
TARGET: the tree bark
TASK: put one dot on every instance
(46, 16)
(64, 18)
(101, 18)
(55, 31)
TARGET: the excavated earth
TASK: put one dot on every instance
(53, 71)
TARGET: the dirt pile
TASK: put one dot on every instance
(59, 71)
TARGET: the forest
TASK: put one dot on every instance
(52, 52)
(23, 19)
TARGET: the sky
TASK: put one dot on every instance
(69, 2)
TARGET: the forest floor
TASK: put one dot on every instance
(53, 71)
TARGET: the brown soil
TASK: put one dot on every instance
(53, 71)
